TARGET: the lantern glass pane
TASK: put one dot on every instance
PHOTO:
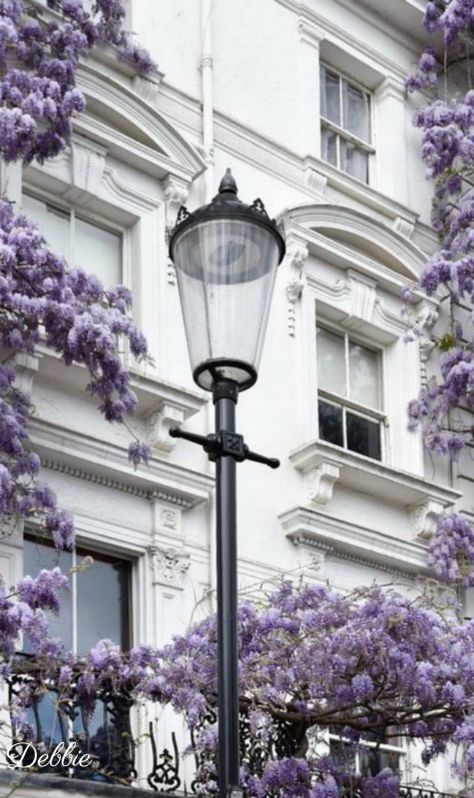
(226, 271)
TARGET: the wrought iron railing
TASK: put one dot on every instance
(106, 735)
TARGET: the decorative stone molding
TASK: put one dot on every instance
(176, 194)
(321, 481)
(159, 424)
(169, 566)
(296, 258)
(345, 540)
(316, 563)
(324, 464)
(362, 296)
(391, 88)
(403, 226)
(423, 518)
(310, 33)
(98, 461)
(316, 182)
(426, 317)
(170, 519)
(148, 86)
(88, 164)
(26, 366)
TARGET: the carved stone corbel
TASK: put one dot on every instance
(159, 424)
(321, 481)
(169, 566)
(176, 194)
(296, 258)
(424, 517)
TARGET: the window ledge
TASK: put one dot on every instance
(314, 529)
(161, 404)
(326, 465)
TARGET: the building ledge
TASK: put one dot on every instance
(105, 463)
(326, 466)
(161, 404)
(23, 785)
(315, 529)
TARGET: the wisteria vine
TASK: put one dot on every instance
(40, 51)
(371, 664)
(42, 300)
(445, 405)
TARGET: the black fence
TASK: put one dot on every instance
(105, 734)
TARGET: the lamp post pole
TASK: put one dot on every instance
(227, 636)
(226, 255)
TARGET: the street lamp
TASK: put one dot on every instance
(226, 255)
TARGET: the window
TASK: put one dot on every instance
(349, 393)
(345, 124)
(369, 758)
(97, 604)
(95, 607)
(83, 243)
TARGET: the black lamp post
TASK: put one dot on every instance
(226, 256)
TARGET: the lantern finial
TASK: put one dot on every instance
(228, 183)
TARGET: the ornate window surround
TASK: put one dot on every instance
(348, 268)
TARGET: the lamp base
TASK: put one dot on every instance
(207, 374)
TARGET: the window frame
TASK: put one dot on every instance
(85, 548)
(341, 132)
(401, 751)
(90, 217)
(346, 403)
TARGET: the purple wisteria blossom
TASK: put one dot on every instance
(446, 123)
(39, 59)
(42, 300)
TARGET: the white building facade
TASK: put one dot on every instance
(305, 101)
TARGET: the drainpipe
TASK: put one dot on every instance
(207, 97)
(207, 67)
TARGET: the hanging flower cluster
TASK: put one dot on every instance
(446, 122)
(371, 665)
(42, 300)
(39, 59)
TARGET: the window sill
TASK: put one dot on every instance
(327, 465)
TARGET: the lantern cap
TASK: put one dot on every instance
(227, 205)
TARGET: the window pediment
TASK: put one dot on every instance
(363, 235)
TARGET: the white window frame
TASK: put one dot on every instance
(346, 403)
(341, 132)
(388, 747)
(98, 220)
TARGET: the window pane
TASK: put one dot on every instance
(355, 105)
(331, 361)
(98, 251)
(354, 161)
(102, 603)
(364, 375)
(329, 146)
(363, 435)
(330, 423)
(372, 761)
(37, 556)
(343, 755)
(330, 96)
(54, 223)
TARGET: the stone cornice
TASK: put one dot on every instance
(105, 463)
(303, 11)
(311, 527)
